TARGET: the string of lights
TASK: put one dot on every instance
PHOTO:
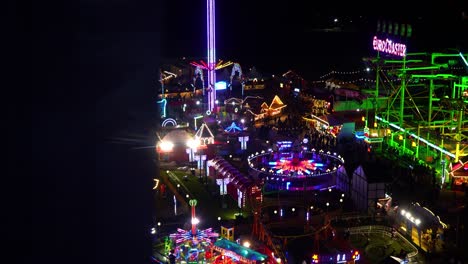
(364, 71)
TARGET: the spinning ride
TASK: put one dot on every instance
(295, 169)
(193, 246)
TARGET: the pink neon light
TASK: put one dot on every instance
(194, 226)
(388, 46)
(295, 165)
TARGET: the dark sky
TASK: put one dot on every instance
(91, 76)
(279, 35)
(93, 66)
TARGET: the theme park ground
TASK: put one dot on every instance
(179, 182)
(376, 248)
(209, 208)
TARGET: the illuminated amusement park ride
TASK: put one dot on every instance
(204, 246)
(295, 169)
(211, 65)
(193, 246)
(420, 101)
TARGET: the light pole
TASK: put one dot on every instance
(195, 220)
(206, 173)
(223, 204)
(200, 159)
(200, 167)
(442, 163)
(193, 145)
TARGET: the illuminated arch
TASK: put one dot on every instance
(198, 70)
(233, 101)
(169, 121)
(235, 68)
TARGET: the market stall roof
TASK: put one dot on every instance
(425, 215)
(240, 250)
(227, 170)
(459, 169)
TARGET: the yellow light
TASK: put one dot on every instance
(166, 146)
(363, 119)
(195, 221)
(192, 143)
(400, 137)
(156, 183)
(389, 131)
(413, 144)
(375, 124)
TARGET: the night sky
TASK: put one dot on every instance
(92, 73)
(276, 36)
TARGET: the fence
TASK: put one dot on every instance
(383, 230)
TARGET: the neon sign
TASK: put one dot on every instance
(220, 86)
(169, 121)
(232, 128)
(388, 46)
(163, 103)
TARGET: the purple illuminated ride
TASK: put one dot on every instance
(294, 168)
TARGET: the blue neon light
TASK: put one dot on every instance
(232, 127)
(220, 86)
(287, 185)
(163, 107)
(463, 58)
(272, 163)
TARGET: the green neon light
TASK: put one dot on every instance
(195, 118)
(401, 61)
(417, 137)
(428, 76)
(373, 140)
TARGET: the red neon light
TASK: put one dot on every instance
(294, 165)
(388, 46)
